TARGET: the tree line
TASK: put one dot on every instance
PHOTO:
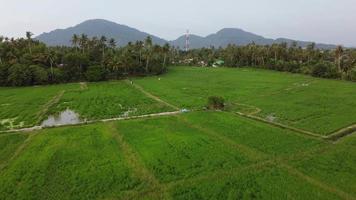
(26, 61)
(338, 63)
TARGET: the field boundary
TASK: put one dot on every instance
(137, 165)
(148, 94)
(301, 131)
(248, 151)
(316, 182)
(50, 103)
(17, 152)
(35, 128)
(341, 133)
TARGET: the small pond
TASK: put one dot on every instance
(66, 117)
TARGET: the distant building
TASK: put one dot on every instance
(218, 63)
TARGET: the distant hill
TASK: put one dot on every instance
(124, 34)
(96, 27)
(238, 37)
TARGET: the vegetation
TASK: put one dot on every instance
(292, 99)
(69, 163)
(235, 153)
(26, 61)
(216, 103)
(30, 62)
(25, 107)
(108, 100)
(337, 63)
(8, 146)
(198, 155)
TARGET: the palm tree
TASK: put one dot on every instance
(165, 50)
(112, 43)
(83, 41)
(338, 56)
(29, 39)
(75, 40)
(148, 51)
(103, 44)
(50, 56)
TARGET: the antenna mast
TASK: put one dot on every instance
(187, 42)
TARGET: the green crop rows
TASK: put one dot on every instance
(196, 155)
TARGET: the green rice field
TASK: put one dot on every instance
(251, 150)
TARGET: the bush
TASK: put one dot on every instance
(353, 74)
(19, 75)
(39, 75)
(325, 70)
(216, 103)
(95, 73)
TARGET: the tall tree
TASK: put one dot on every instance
(338, 56)
(148, 52)
(75, 41)
(29, 40)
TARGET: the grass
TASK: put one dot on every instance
(23, 107)
(292, 99)
(336, 166)
(8, 146)
(195, 155)
(68, 163)
(173, 151)
(262, 137)
(270, 182)
(109, 100)
(28, 106)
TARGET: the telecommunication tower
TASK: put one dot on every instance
(187, 42)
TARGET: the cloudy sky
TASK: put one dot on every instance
(328, 21)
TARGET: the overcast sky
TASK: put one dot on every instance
(328, 21)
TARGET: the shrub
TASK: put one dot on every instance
(353, 74)
(95, 73)
(39, 75)
(325, 70)
(216, 103)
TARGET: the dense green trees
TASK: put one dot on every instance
(26, 61)
(338, 63)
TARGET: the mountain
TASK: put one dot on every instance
(97, 27)
(124, 34)
(239, 37)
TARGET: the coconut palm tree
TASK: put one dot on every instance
(338, 56)
(148, 51)
(83, 42)
(75, 41)
(29, 39)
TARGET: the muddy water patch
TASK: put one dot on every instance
(67, 117)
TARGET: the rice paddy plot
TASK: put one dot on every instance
(69, 163)
(318, 105)
(174, 151)
(108, 100)
(335, 166)
(27, 106)
(265, 138)
(268, 182)
(8, 146)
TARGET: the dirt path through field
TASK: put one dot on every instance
(49, 104)
(83, 85)
(137, 165)
(249, 152)
(17, 152)
(138, 87)
(30, 129)
(317, 183)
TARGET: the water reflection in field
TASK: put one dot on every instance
(64, 118)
